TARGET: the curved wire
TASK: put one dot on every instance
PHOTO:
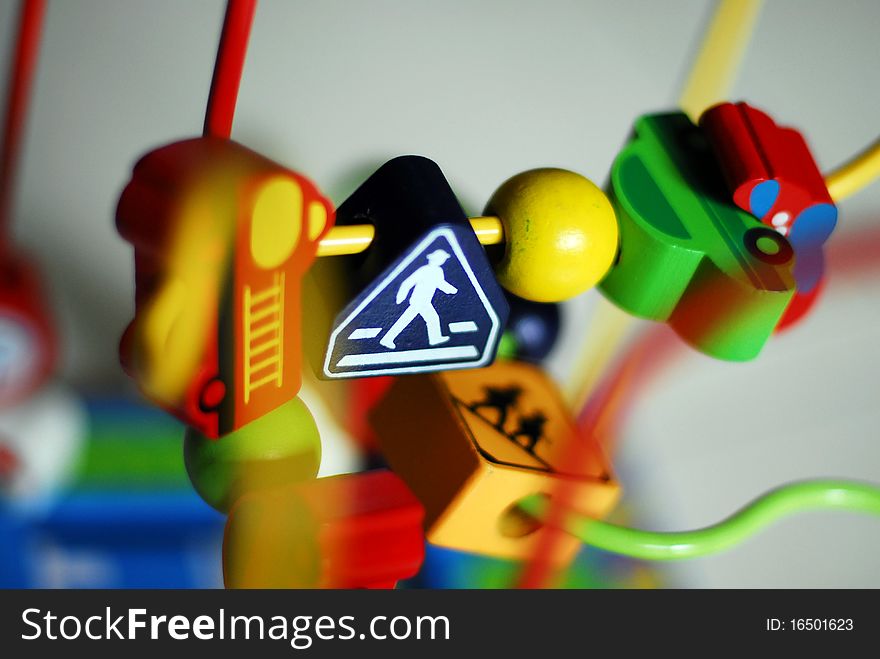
(21, 77)
(854, 175)
(720, 55)
(660, 546)
(228, 67)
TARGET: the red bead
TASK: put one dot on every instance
(353, 531)
(364, 395)
(752, 149)
(801, 305)
(772, 174)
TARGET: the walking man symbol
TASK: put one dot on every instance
(423, 283)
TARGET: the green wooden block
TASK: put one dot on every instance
(688, 256)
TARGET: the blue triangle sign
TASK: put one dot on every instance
(437, 307)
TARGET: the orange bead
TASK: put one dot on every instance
(471, 444)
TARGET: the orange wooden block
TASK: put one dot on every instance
(222, 238)
(470, 444)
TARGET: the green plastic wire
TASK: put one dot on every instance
(660, 546)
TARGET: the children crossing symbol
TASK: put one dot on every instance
(429, 311)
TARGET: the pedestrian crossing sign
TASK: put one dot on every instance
(437, 307)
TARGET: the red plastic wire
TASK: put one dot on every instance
(228, 67)
(21, 76)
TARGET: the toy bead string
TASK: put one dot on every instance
(340, 240)
(21, 76)
(844, 181)
(709, 81)
(658, 546)
(713, 74)
(710, 77)
(356, 238)
(228, 68)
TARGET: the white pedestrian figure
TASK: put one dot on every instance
(424, 282)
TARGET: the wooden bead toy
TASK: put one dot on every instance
(364, 395)
(471, 444)
(771, 173)
(430, 300)
(718, 276)
(770, 170)
(487, 458)
(222, 238)
(281, 447)
(560, 234)
(558, 231)
(800, 306)
(353, 531)
(28, 344)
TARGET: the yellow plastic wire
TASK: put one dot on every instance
(341, 240)
(608, 328)
(720, 55)
(854, 175)
(356, 238)
(715, 69)
(709, 82)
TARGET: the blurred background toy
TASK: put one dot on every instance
(27, 339)
(42, 422)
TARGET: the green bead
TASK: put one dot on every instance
(279, 448)
(688, 256)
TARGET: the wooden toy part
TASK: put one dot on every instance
(771, 174)
(222, 239)
(576, 222)
(427, 298)
(471, 444)
(281, 447)
(718, 276)
(560, 231)
(800, 307)
(364, 395)
(353, 531)
(769, 169)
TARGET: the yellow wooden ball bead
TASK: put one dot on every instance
(560, 234)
